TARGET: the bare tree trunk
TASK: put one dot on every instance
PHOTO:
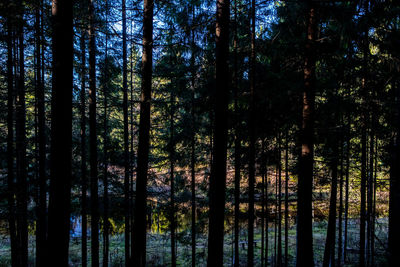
(41, 229)
(279, 202)
(61, 135)
(340, 217)
(394, 202)
(94, 198)
(252, 152)
(329, 252)
(106, 226)
(305, 253)
(126, 134)
(347, 187)
(218, 168)
(20, 134)
(172, 166)
(10, 144)
(262, 200)
(237, 141)
(83, 148)
(193, 145)
(139, 230)
(287, 198)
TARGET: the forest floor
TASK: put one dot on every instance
(158, 248)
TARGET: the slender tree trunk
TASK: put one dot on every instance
(305, 255)
(106, 226)
(329, 252)
(394, 203)
(252, 152)
(287, 198)
(20, 127)
(126, 133)
(218, 168)
(340, 218)
(237, 141)
(279, 202)
(347, 189)
(172, 166)
(266, 212)
(83, 149)
(41, 228)
(10, 144)
(370, 197)
(139, 230)
(193, 145)
(94, 198)
(262, 200)
(61, 135)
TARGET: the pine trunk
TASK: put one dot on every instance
(139, 230)
(218, 167)
(61, 135)
(94, 198)
(305, 255)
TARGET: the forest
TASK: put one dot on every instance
(199, 133)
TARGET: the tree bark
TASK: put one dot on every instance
(61, 135)
(10, 143)
(305, 255)
(41, 229)
(394, 202)
(287, 198)
(106, 226)
(94, 198)
(20, 134)
(218, 168)
(83, 148)
(126, 133)
(172, 167)
(329, 252)
(139, 230)
(237, 141)
(252, 152)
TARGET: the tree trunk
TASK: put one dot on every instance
(218, 168)
(10, 144)
(287, 198)
(172, 165)
(41, 229)
(126, 133)
(305, 181)
(252, 152)
(340, 217)
(347, 187)
(94, 198)
(139, 230)
(20, 127)
(83, 148)
(279, 202)
(329, 252)
(394, 202)
(193, 145)
(106, 227)
(237, 141)
(61, 135)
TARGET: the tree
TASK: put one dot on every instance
(252, 152)
(126, 132)
(41, 229)
(61, 135)
(305, 179)
(218, 167)
(83, 147)
(139, 230)
(94, 198)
